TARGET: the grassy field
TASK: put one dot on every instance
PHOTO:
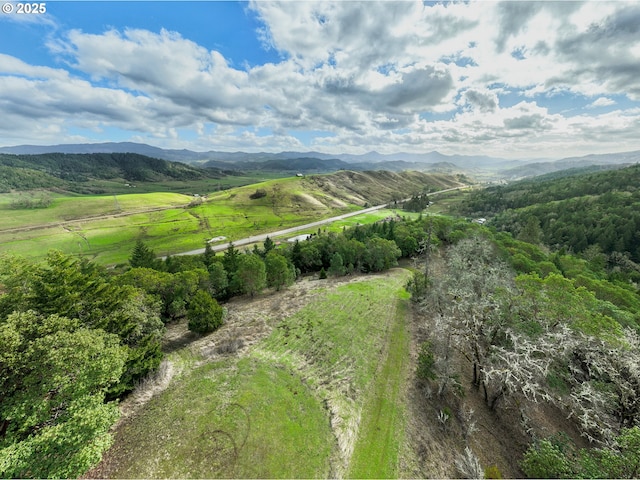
(295, 405)
(105, 228)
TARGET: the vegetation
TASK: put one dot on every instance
(600, 210)
(297, 394)
(75, 172)
(71, 339)
(541, 307)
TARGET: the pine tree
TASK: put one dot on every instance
(142, 256)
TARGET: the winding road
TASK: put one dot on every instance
(287, 231)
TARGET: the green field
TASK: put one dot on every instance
(105, 228)
(292, 405)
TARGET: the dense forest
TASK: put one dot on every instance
(71, 171)
(589, 214)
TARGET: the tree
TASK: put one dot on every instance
(83, 291)
(251, 274)
(337, 267)
(268, 245)
(380, 254)
(208, 255)
(53, 376)
(142, 256)
(204, 314)
(218, 280)
(278, 270)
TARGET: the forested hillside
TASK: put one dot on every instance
(73, 171)
(595, 211)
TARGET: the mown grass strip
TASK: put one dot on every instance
(382, 427)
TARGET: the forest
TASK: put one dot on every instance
(72, 171)
(588, 213)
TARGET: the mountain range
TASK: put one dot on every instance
(313, 162)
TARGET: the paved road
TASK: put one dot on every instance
(287, 231)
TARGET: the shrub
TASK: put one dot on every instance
(259, 193)
(492, 471)
(426, 363)
(204, 313)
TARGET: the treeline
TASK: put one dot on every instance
(521, 194)
(25, 172)
(589, 214)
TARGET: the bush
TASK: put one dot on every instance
(259, 193)
(426, 363)
(492, 472)
(546, 460)
(204, 313)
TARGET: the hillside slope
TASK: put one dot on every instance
(73, 172)
(381, 186)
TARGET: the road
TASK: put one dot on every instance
(287, 231)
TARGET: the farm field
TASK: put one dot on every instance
(105, 228)
(313, 362)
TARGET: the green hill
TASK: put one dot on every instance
(576, 212)
(76, 172)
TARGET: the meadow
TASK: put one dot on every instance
(105, 228)
(320, 396)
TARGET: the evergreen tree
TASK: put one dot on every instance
(204, 314)
(268, 246)
(209, 255)
(337, 267)
(142, 256)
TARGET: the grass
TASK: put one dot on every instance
(239, 419)
(382, 428)
(94, 226)
(294, 406)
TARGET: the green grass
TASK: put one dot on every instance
(293, 407)
(239, 419)
(382, 428)
(172, 229)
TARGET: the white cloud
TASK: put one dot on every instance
(602, 102)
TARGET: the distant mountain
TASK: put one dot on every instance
(541, 168)
(293, 165)
(236, 158)
(309, 161)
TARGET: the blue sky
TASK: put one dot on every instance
(508, 79)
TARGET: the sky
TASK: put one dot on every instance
(510, 79)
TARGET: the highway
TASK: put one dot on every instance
(287, 231)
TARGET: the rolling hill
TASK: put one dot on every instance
(74, 172)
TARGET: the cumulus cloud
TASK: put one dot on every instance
(602, 102)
